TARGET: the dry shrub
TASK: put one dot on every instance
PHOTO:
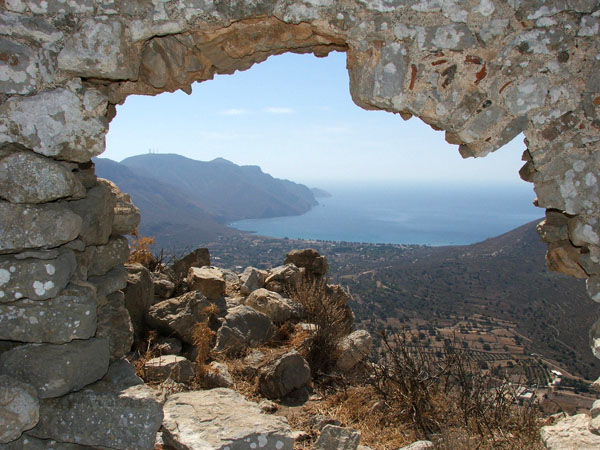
(327, 308)
(202, 338)
(143, 354)
(140, 250)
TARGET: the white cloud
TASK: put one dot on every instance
(279, 110)
(234, 112)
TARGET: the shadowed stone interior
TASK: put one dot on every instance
(483, 71)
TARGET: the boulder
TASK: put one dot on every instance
(178, 316)
(337, 438)
(126, 216)
(353, 348)
(176, 368)
(283, 277)
(48, 225)
(198, 258)
(272, 304)
(26, 177)
(167, 346)
(50, 276)
(121, 375)
(217, 376)
(70, 315)
(97, 212)
(104, 414)
(243, 327)
(19, 408)
(309, 259)
(107, 256)
(112, 281)
(207, 280)
(595, 422)
(228, 421)
(252, 279)
(163, 286)
(286, 374)
(571, 432)
(55, 370)
(139, 296)
(114, 324)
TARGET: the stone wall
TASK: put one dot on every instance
(481, 70)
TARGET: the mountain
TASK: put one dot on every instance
(224, 190)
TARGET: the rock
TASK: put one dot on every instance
(353, 348)
(50, 276)
(288, 373)
(55, 370)
(139, 296)
(70, 315)
(319, 421)
(121, 375)
(168, 346)
(228, 420)
(530, 94)
(48, 225)
(269, 407)
(26, 177)
(163, 286)
(177, 368)
(19, 408)
(272, 304)
(198, 258)
(20, 71)
(114, 253)
(208, 280)
(31, 443)
(595, 422)
(243, 327)
(337, 438)
(64, 123)
(97, 212)
(102, 415)
(283, 277)
(179, 315)
(218, 376)
(451, 37)
(251, 279)
(99, 50)
(570, 432)
(112, 281)
(114, 324)
(419, 445)
(309, 259)
(126, 216)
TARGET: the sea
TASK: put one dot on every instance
(426, 214)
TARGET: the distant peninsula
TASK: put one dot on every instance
(320, 193)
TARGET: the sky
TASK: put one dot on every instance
(293, 116)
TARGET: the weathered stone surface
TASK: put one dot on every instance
(55, 370)
(35, 279)
(115, 252)
(419, 445)
(353, 348)
(251, 279)
(288, 373)
(26, 177)
(121, 375)
(96, 210)
(451, 37)
(595, 422)
(46, 226)
(98, 49)
(283, 277)
(167, 346)
(102, 415)
(528, 95)
(570, 432)
(176, 368)
(70, 315)
(19, 73)
(31, 443)
(272, 304)
(179, 315)
(243, 327)
(198, 258)
(217, 376)
(310, 259)
(61, 123)
(126, 214)
(115, 325)
(112, 281)
(228, 421)
(333, 437)
(19, 408)
(207, 280)
(139, 296)
(163, 286)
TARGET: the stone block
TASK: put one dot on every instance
(112, 281)
(334, 437)
(126, 215)
(285, 375)
(176, 368)
(243, 327)
(207, 280)
(19, 71)
(97, 212)
(107, 256)
(114, 324)
(19, 408)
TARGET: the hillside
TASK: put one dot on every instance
(226, 191)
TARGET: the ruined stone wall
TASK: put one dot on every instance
(481, 70)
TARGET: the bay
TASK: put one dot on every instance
(425, 214)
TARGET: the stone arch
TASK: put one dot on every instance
(481, 70)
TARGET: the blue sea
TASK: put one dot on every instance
(407, 214)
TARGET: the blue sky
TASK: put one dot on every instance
(293, 116)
